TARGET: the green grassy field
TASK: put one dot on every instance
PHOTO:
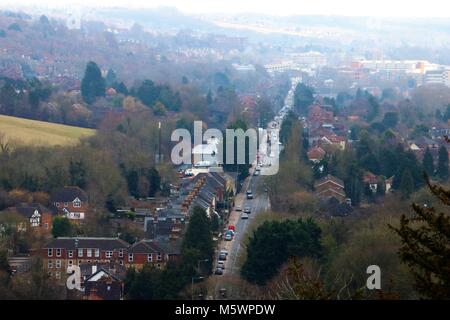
(25, 131)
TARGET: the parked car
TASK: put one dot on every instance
(238, 208)
(218, 271)
(221, 264)
(222, 257)
(247, 210)
(249, 196)
(224, 251)
(229, 235)
(244, 215)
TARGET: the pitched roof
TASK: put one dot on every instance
(370, 178)
(112, 268)
(99, 274)
(68, 194)
(73, 243)
(172, 247)
(27, 209)
(158, 228)
(329, 178)
(144, 246)
(316, 153)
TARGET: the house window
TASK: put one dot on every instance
(80, 253)
(50, 264)
(89, 253)
(50, 252)
(70, 253)
(58, 252)
(121, 253)
(66, 204)
(159, 266)
(109, 254)
(57, 204)
(58, 275)
(130, 257)
(76, 203)
(159, 257)
(79, 262)
(46, 225)
(70, 263)
(149, 257)
(58, 264)
(97, 253)
(49, 273)
(121, 262)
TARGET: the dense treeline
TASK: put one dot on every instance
(118, 161)
(274, 242)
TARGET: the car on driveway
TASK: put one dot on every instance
(218, 271)
(224, 251)
(247, 210)
(238, 208)
(221, 264)
(222, 257)
(244, 215)
(249, 196)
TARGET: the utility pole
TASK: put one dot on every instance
(159, 143)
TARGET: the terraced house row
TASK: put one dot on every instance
(63, 252)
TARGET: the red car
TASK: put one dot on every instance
(232, 228)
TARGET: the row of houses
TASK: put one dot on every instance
(104, 261)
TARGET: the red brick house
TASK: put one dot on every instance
(60, 253)
(330, 186)
(38, 217)
(152, 252)
(71, 202)
(103, 285)
(319, 115)
(371, 180)
(316, 154)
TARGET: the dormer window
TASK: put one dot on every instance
(35, 219)
(76, 203)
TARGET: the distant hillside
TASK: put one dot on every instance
(41, 133)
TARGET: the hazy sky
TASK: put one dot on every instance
(401, 8)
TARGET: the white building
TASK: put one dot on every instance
(205, 155)
(440, 76)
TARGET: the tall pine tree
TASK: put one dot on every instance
(93, 84)
(428, 163)
(407, 184)
(425, 246)
(442, 168)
